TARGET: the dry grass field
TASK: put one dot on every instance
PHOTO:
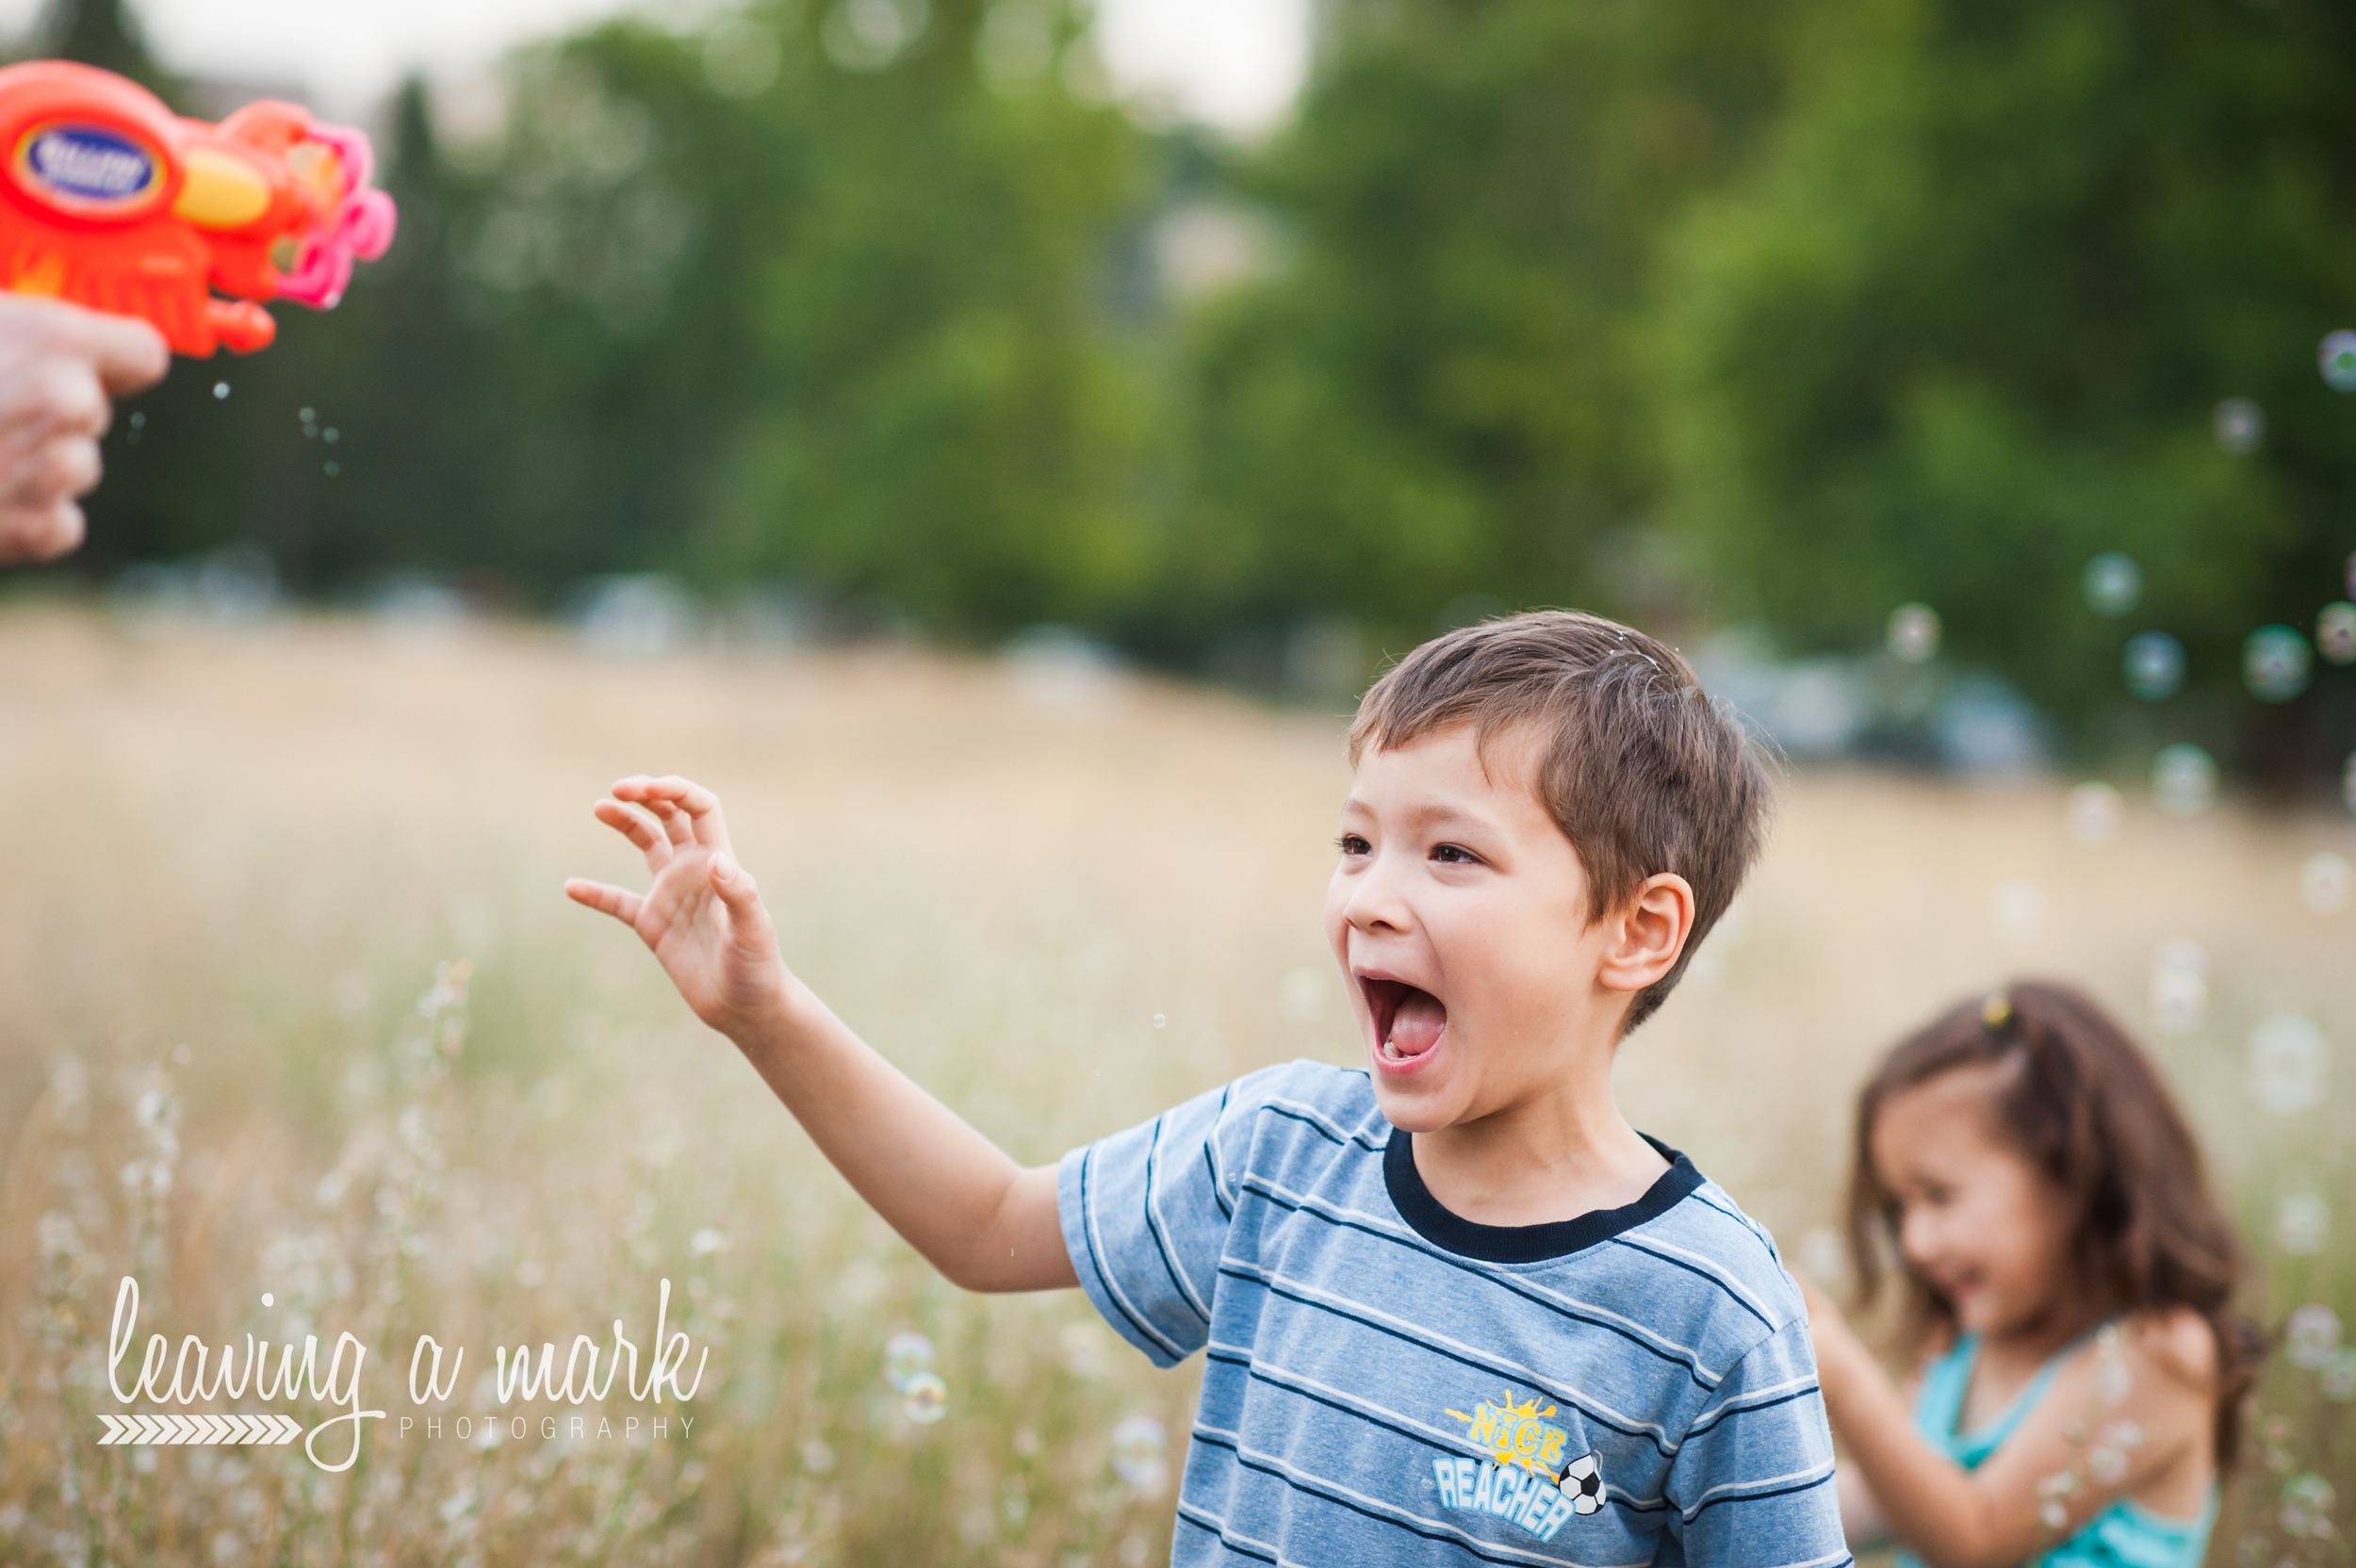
(233, 863)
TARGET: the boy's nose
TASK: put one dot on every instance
(1375, 902)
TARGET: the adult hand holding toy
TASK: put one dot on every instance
(58, 365)
(110, 202)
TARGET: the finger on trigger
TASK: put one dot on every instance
(127, 353)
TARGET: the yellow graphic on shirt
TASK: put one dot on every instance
(1516, 1433)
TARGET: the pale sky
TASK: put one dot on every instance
(1231, 63)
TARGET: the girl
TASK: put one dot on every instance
(2067, 1279)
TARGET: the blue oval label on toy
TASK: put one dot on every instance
(88, 169)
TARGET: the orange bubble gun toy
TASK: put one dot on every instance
(111, 201)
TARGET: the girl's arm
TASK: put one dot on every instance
(1861, 1521)
(2119, 1417)
(984, 1221)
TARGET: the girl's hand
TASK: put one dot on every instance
(1822, 1310)
(1828, 1330)
(703, 916)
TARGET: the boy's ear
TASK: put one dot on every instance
(1647, 932)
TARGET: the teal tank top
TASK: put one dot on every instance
(2124, 1535)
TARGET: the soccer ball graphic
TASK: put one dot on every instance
(1582, 1483)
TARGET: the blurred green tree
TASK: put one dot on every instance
(816, 297)
(1438, 397)
(105, 33)
(1967, 319)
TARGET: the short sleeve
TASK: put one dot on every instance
(1145, 1217)
(1752, 1480)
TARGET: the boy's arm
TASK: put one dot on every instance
(985, 1222)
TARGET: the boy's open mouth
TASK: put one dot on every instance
(1407, 1022)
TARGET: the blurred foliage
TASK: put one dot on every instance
(1439, 400)
(1778, 317)
(1965, 323)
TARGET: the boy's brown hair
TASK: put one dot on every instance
(1639, 768)
(2077, 1098)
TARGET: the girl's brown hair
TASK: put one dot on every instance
(2076, 1096)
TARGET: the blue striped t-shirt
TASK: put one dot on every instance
(1387, 1382)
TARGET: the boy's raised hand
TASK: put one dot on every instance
(984, 1221)
(703, 916)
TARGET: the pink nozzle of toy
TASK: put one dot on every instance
(363, 228)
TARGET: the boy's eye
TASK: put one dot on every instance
(1351, 843)
(1455, 855)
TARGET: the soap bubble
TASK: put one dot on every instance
(2302, 1224)
(2095, 813)
(925, 1400)
(2180, 986)
(1823, 1257)
(2113, 583)
(1161, 1021)
(2336, 632)
(2183, 780)
(2310, 1335)
(1139, 1454)
(1083, 1346)
(1914, 631)
(907, 1356)
(2323, 882)
(2307, 1501)
(306, 415)
(2338, 1381)
(2240, 426)
(1301, 995)
(2017, 909)
(2336, 357)
(2154, 666)
(2274, 663)
(2288, 1058)
(741, 58)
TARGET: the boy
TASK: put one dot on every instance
(1455, 1309)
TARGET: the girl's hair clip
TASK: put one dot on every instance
(1997, 1010)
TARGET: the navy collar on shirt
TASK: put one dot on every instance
(1556, 1238)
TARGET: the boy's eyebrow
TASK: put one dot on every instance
(1425, 813)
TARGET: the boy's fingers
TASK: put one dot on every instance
(622, 905)
(674, 821)
(635, 827)
(701, 806)
(704, 823)
(739, 892)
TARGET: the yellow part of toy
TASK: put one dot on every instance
(219, 190)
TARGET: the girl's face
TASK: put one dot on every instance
(1987, 1228)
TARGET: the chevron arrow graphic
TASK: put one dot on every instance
(146, 1428)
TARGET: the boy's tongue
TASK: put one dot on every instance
(1415, 1027)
